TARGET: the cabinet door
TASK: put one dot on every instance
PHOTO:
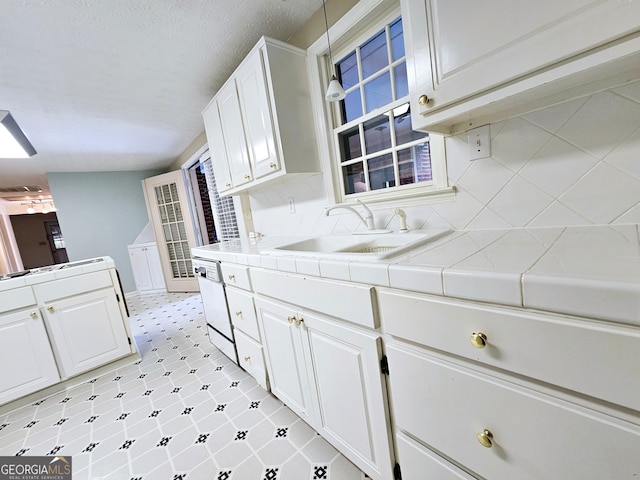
(256, 112)
(155, 267)
(285, 359)
(25, 354)
(233, 134)
(351, 393)
(140, 267)
(457, 49)
(217, 146)
(87, 331)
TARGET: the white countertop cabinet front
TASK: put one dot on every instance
(87, 331)
(550, 396)
(471, 63)
(329, 374)
(259, 125)
(26, 357)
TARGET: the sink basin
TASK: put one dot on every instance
(358, 247)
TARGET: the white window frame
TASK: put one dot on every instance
(359, 24)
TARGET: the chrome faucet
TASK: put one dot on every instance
(368, 215)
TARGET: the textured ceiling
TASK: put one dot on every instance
(107, 85)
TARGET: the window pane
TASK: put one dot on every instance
(354, 178)
(351, 106)
(397, 40)
(347, 71)
(381, 172)
(350, 144)
(404, 132)
(377, 92)
(373, 55)
(377, 134)
(414, 164)
(402, 84)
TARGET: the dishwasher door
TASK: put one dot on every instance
(216, 312)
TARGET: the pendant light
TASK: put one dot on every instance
(335, 92)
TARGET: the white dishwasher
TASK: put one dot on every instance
(214, 301)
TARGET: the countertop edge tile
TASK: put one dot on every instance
(593, 298)
(503, 288)
(417, 279)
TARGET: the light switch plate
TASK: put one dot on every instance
(479, 143)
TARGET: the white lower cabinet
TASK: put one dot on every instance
(502, 430)
(27, 361)
(87, 331)
(146, 267)
(328, 372)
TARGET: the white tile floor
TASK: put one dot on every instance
(183, 412)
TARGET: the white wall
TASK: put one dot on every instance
(576, 163)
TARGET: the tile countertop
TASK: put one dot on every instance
(58, 271)
(591, 271)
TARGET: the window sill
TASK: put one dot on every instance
(410, 198)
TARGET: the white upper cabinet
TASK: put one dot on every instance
(259, 125)
(470, 63)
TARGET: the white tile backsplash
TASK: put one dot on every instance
(575, 163)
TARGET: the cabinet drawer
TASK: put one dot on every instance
(559, 350)
(236, 275)
(418, 462)
(66, 287)
(242, 312)
(347, 301)
(535, 436)
(16, 298)
(250, 358)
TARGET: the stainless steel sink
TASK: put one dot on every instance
(358, 247)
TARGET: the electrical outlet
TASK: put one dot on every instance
(292, 205)
(479, 143)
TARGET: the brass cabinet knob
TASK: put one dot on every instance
(232, 277)
(246, 359)
(34, 314)
(227, 184)
(239, 313)
(247, 177)
(485, 438)
(291, 319)
(423, 100)
(478, 340)
(272, 165)
(50, 308)
(298, 321)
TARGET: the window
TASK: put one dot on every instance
(376, 154)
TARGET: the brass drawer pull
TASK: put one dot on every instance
(232, 278)
(478, 340)
(485, 438)
(272, 165)
(423, 100)
(298, 321)
(239, 313)
(246, 359)
(50, 308)
(34, 314)
(291, 319)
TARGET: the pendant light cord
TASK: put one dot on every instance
(326, 24)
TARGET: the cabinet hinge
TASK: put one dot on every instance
(397, 475)
(117, 297)
(384, 365)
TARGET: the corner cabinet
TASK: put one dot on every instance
(259, 126)
(470, 63)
